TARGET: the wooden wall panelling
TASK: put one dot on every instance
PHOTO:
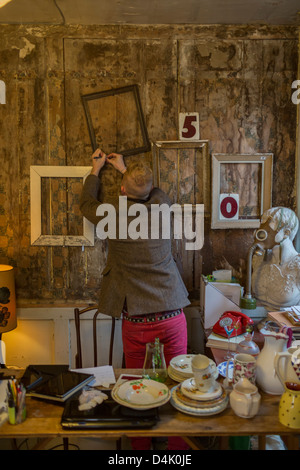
(297, 156)
(279, 65)
(232, 84)
(9, 175)
(182, 170)
(27, 107)
(93, 65)
(160, 88)
(237, 78)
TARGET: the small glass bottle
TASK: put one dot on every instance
(247, 346)
(155, 364)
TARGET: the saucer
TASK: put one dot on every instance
(190, 390)
(182, 364)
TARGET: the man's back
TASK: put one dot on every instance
(142, 271)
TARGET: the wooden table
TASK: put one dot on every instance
(43, 421)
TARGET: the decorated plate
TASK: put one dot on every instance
(222, 369)
(208, 411)
(182, 364)
(190, 390)
(141, 394)
(196, 403)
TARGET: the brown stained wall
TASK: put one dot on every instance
(237, 77)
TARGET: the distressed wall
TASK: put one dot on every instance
(237, 77)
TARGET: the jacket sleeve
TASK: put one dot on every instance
(88, 199)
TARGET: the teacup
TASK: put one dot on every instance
(203, 373)
(244, 366)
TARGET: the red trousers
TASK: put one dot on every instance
(172, 333)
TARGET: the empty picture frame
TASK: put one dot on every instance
(241, 189)
(116, 122)
(37, 238)
(182, 170)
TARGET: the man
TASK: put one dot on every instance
(140, 281)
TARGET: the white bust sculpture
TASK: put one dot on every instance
(276, 271)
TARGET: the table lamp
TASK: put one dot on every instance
(8, 317)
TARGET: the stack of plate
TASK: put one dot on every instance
(141, 394)
(187, 398)
(180, 368)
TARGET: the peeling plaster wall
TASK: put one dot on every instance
(237, 77)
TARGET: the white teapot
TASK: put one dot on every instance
(245, 399)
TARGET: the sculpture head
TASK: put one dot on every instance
(277, 224)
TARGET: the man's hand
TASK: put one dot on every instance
(117, 161)
(98, 160)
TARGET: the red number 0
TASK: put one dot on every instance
(188, 124)
(224, 207)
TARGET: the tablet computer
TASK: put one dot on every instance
(60, 387)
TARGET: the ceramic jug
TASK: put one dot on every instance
(245, 399)
(276, 341)
(289, 406)
(285, 368)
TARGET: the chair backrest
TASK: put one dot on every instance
(78, 357)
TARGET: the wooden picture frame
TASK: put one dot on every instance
(37, 238)
(182, 170)
(246, 178)
(137, 119)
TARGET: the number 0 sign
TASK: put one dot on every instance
(189, 126)
(229, 207)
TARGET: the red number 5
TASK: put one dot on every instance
(189, 126)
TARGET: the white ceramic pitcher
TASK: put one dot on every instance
(266, 376)
(284, 367)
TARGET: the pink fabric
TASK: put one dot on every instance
(172, 333)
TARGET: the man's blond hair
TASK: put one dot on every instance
(137, 180)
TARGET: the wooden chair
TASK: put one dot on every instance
(78, 357)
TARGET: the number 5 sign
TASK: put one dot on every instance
(189, 126)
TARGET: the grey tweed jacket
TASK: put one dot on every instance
(141, 272)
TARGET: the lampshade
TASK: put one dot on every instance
(4, 2)
(8, 317)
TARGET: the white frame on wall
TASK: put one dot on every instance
(36, 173)
(266, 161)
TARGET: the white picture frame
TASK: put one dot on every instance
(37, 238)
(259, 164)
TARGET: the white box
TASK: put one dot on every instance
(217, 298)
